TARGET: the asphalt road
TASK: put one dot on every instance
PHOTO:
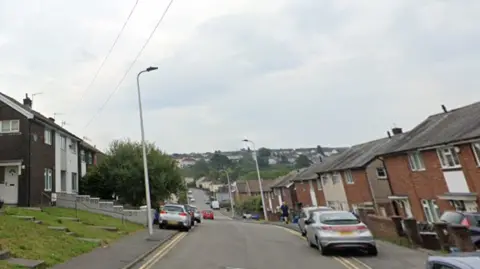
(227, 244)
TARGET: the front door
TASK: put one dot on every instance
(313, 197)
(9, 186)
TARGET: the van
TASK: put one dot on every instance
(215, 205)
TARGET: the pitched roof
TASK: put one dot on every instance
(454, 126)
(241, 186)
(358, 156)
(90, 147)
(38, 115)
(284, 181)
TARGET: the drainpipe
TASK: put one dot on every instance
(394, 204)
(29, 162)
(375, 205)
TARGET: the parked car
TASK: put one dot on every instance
(192, 213)
(456, 260)
(207, 214)
(305, 214)
(215, 205)
(192, 200)
(189, 191)
(469, 219)
(174, 215)
(338, 230)
(196, 214)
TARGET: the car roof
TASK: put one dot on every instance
(179, 205)
(459, 259)
(331, 212)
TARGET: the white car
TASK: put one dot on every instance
(192, 200)
(189, 192)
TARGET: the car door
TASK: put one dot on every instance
(301, 221)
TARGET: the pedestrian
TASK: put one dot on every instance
(284, 209)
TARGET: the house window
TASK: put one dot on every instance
(10, 126)
(319, 184)
(335, 178)
(74, 182)
(82, 155)
(73, 146)
(476, 151)
(63, 142)
(348, 177)
(431, 210)
(381, 173)
(47, 137)
(448, 158)
(63, 181)
(325, 179)
(415, 161)
(47, 177)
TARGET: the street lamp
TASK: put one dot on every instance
(144, 148)
(229, 191)
(259, 178)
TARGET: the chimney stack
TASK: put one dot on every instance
(444, 109)
(389, 134)
(397, 131)
(27, 101)
(52, 119)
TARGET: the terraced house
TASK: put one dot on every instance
(37, 156)
(308, 187)
(435, 167)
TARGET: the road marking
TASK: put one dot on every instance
(163, 251)
(347, 262)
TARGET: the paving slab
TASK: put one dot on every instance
(107, 228)
(58, 228)
(26, 263)
(69, 219)
(120, 253)
(31, 218)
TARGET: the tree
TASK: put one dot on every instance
(121, 174)
(219, 161)
(302, 161)
(264, 152)
(283, 159)
(200, 169)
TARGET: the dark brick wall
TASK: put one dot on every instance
(358, 192)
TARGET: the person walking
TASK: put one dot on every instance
(284, 209)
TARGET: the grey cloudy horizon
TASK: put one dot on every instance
(284, 73)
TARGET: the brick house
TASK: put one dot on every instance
(243, 190)
(357, 177)
(308, 187)
(89, 156)
(34, 154)
(284, 189)
(435, 167)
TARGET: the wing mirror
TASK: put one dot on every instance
(308, 222)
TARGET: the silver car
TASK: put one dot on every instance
(306, 212)
(337, 230)
(175, 215)
(197, 214)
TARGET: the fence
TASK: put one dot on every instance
(95, 205)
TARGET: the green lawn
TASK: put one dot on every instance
(28, 240)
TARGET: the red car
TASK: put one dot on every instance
(207, 214)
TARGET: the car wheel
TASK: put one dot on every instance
(310, 243)
(322, 249)
(199, 221)
(304, 233)
(186, 229)
(373, 251)
(161, 226)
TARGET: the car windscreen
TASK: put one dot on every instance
(338, 218)
(170, 208)
(451, 217)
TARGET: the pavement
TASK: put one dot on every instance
(231, 244)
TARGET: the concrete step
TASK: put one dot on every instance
(4, 254)
(32, 208)
(107, 228)
(25, 263)
(58, 228)
(30, 218)
(92, 240)
(69, 219)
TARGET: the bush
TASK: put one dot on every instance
(251, 205)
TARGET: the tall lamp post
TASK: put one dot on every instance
(144, 149)
(229, 191)
(259, 178)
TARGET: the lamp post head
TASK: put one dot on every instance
(246, 140)
(151, 68)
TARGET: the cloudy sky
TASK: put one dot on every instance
(284, 73)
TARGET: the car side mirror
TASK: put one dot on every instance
(308, 222)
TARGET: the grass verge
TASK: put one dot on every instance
(28, 240)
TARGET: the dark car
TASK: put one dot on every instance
(459, 260)
(469, 219)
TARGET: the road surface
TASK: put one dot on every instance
(227, 244)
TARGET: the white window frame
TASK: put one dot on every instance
(47, 136)
(431, 210)
(63, 142)
(73, 146)
(415, 161)
(324, 179)
(10, 129)
(82, 156)
(47, 179)
(74, 182)
(319, 184)
(348, 177)
(444, 154)
(476, 152)
(336, 177)
(384, 172)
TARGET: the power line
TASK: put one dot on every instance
(131, 65)
(108, 53)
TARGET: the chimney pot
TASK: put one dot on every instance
(444, 108)
(389, 134)
(27, 101)
(397, 131)
(52, 119)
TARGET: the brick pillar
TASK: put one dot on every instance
(461, 237)
(411, 229)
(397, 221)
(441, 228)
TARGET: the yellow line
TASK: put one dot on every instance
(347, 261)
(362, 263)
(342, 261)
(163, 250)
